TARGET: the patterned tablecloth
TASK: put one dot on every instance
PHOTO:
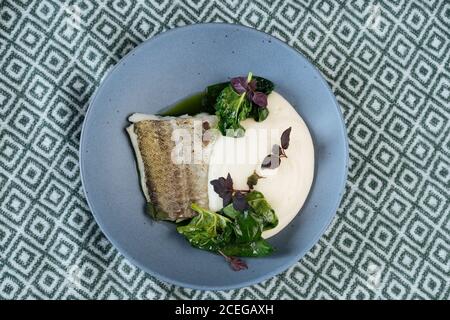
(388, 62)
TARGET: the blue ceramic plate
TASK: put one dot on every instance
(162, 71)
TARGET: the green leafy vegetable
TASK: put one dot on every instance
(262, 209)
(260, 114)
(236, 230)
(212, 92)
(231, 109)
(230, 211)
(257, 248)
(242, 99)
(208, 230)
(263, 85)
(247, 227)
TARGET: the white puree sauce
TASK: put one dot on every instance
(286, 187)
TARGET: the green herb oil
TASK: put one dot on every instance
(191, 105)
(197, 103)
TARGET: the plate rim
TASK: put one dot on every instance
(275, 271)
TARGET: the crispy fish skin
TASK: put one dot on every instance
(171, 187)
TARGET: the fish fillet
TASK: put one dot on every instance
(170, 180)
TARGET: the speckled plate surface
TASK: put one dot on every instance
(164, 70)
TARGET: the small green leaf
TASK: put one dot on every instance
(253, 180)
